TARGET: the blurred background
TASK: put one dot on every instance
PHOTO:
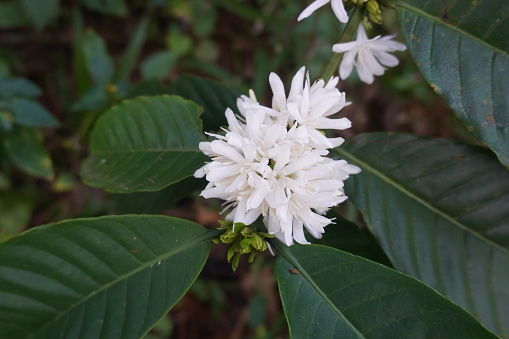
(72, 60)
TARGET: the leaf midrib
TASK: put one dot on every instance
(288, 255)
(196, 240)
(411, 195)
(442, 23)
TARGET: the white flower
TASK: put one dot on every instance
(309, 108)
(337, 7)
(368, 55)
(269, 164)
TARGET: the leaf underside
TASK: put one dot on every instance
(462, 49)
(439, 210)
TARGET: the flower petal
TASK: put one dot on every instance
(311, 8)
(339, 10)
(278, 89)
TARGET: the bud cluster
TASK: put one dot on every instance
(244, 240)
(374, 11)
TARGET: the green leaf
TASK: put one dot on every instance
(462, 48)
(158, 65)
(15, 211)
(12, 14)
(26, 149)
(41, 12)
(346, 236)
(144, 144)
(111, 7)
(109, 277)
(327, 293)
(128, 60)
(98, 61)
(439, 210)
(28, 112)
(18, 87)
(212, 96)
(155, 202)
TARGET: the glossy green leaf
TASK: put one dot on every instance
(28, 112)
(18, 87)
(327, 293)
(41, 12)
(111, 7)
(109, 277)
(155, 202)
(99, 62)
(462, 48)
(144, 144)
(212, 96)
(346, 236)
(26, 149)
(439, 210)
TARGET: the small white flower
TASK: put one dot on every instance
(270, 163)
(368, 55)
(337, 7)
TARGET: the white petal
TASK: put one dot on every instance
(214, 192)
(278, 89)
(222, 148)
(251, 216)
(294, 112)
(361, 33)
(220, 172)
(387, 59)
(336, 141)
(344, 47)
(271, 222)
(339, 124)
(345, 69)
(259, 192)
(339, 10)
(298, 232)
(200, 173)
(233, 123)
(365, 73)
(205, 147)
(311, 8)
(297, 84)
(385, 43)
(351, 169)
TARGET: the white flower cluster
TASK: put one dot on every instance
(272, 160)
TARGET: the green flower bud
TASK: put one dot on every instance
(258, 243)
(244, 240)
(374, 11)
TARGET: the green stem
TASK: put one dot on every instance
(346, 36)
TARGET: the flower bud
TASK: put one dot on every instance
(374, 11)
